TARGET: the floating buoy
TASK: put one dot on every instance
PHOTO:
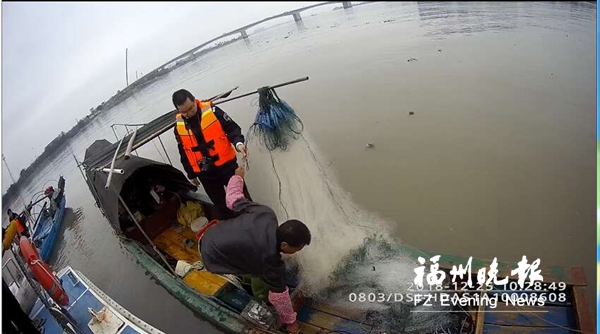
(43, 273)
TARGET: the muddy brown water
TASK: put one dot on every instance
(495, 161)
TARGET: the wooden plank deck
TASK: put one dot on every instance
(585, 320)
(330, 322)
(494, 329)
(531, 316)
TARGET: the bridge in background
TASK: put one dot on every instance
(242, 31)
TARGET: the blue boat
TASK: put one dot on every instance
(49, 221)
(90, 311)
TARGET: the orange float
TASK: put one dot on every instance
(42, 272)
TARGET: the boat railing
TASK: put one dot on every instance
(14, 272)
(34, 216)
(68, 324)
(132, 128)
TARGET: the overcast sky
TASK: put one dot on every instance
(61, 59)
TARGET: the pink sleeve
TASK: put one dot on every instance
(283, 306)
(235, 191)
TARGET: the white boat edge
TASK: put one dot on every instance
(128, 318)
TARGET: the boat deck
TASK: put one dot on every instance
(172, 242)
(83, 295)
(555, 317)
(314, 317)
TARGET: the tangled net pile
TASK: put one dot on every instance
(276, 122)
(346, 255)
(380, 270)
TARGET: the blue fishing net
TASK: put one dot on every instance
(276, 123)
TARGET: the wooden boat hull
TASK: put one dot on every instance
(315, 318)
(221, 317)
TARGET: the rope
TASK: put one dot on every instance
(312, 153)
(287, 216)
(40, 263)
(470, 321)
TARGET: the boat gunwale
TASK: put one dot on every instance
(188, 296)
(131, 319)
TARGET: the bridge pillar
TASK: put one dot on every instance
(297, 17)
(300, 25)
(244, 34)
(347, 5)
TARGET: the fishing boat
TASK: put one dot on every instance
(46, 225)
(88, 309)
(91, 310)
(141, 199)
(49, 220)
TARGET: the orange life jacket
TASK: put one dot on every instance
(19, 225)
(219, 146)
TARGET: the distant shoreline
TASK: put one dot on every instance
(64, 137)
(58, 143)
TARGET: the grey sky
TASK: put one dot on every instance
(61, 59)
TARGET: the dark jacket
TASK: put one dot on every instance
(246, 244)
(234, 134)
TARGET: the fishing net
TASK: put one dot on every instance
(276, 122)
(378, 273)
(351, 251)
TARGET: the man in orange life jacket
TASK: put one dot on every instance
(205, 137)
(21, 227)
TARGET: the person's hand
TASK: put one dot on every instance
(241, 147)
(195, 181)
(240, 171)
(293, 328)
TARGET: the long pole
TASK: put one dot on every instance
(144, 233)
(172, 124)
(129, 145)
(18, 191)
(256, 91)
(12, 178)
(112, 164)
(126, 74)
(8, 169)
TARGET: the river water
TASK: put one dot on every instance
(496, 161)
